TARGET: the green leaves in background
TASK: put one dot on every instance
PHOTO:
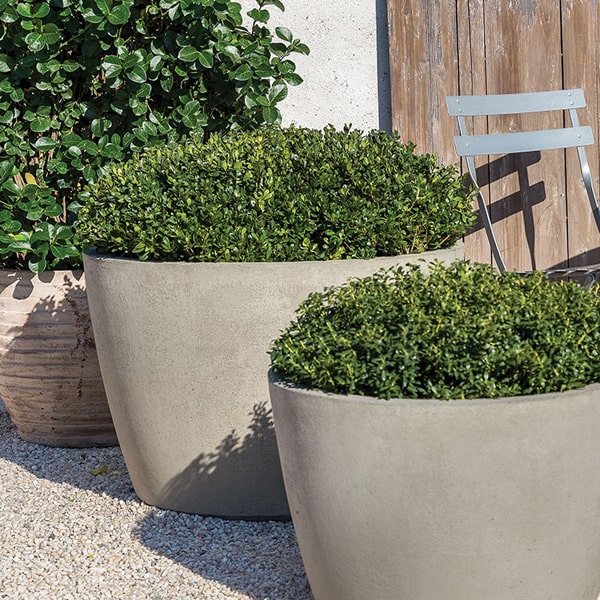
(86, 83)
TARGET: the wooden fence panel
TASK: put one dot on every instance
(493, 46)
(423, 61)
(581, 29)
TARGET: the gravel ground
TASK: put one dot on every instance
(71, 527)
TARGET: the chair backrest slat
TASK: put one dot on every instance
(523, 141)
(511, 142)
(506, 104)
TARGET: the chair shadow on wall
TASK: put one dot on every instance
(528, 195)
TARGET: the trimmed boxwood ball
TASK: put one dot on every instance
(462, 331)
(277, 194)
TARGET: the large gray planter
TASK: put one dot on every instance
(426, 499)
(183, 353)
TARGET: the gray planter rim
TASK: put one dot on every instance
(419, 258)
(433, 403)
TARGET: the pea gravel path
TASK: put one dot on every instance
(71, 528)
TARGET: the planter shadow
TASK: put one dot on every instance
(212, 477)
(210, 547)
(221, 550)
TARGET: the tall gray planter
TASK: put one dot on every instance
(426, 499)
(183, 353)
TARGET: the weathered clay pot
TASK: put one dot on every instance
(49, 373)
(426, 499)
(183, 352)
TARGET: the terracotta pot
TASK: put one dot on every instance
(49, 374)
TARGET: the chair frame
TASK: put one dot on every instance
(469, 146)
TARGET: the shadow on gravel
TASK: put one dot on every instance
(259, 559)
(99, 470)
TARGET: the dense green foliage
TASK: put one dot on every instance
(277, 194)
(84, 82)
(463, 331)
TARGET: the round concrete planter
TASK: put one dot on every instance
(183, 352)
(49, 374)
(426, 499)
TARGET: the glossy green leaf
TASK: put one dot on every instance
(37, 266)
(188, 54)
(283, 33)
(6, 170)
(136, 74)
(206, 58)
(40, 124)
(118, 15)
(243, 73)
(278, 93)
(271, 114)
(45, 144)
(258, 15)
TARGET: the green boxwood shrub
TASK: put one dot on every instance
(277, 195)
(463, 331)
(84, 82)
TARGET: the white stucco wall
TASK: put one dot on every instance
(346, 75)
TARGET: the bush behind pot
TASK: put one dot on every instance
(463, 331)
(85, 82)
(277, 195)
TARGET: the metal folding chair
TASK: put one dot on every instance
(574, 136)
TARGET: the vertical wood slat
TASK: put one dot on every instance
(580, 49)
(423, 64)
(472, 80)
(492, 46)
(530, 226)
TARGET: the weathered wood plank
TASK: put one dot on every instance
(424, 66)
(523, 55)
(581, 28)
(472, 80)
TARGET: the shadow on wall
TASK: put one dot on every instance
(384, 93)
(522, 202)
(234, 469)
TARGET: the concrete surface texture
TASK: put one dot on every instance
(346, 76)
(425, 499)
(183, 351)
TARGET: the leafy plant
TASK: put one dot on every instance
(277, 194)
(85, 82)
(463, 331)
